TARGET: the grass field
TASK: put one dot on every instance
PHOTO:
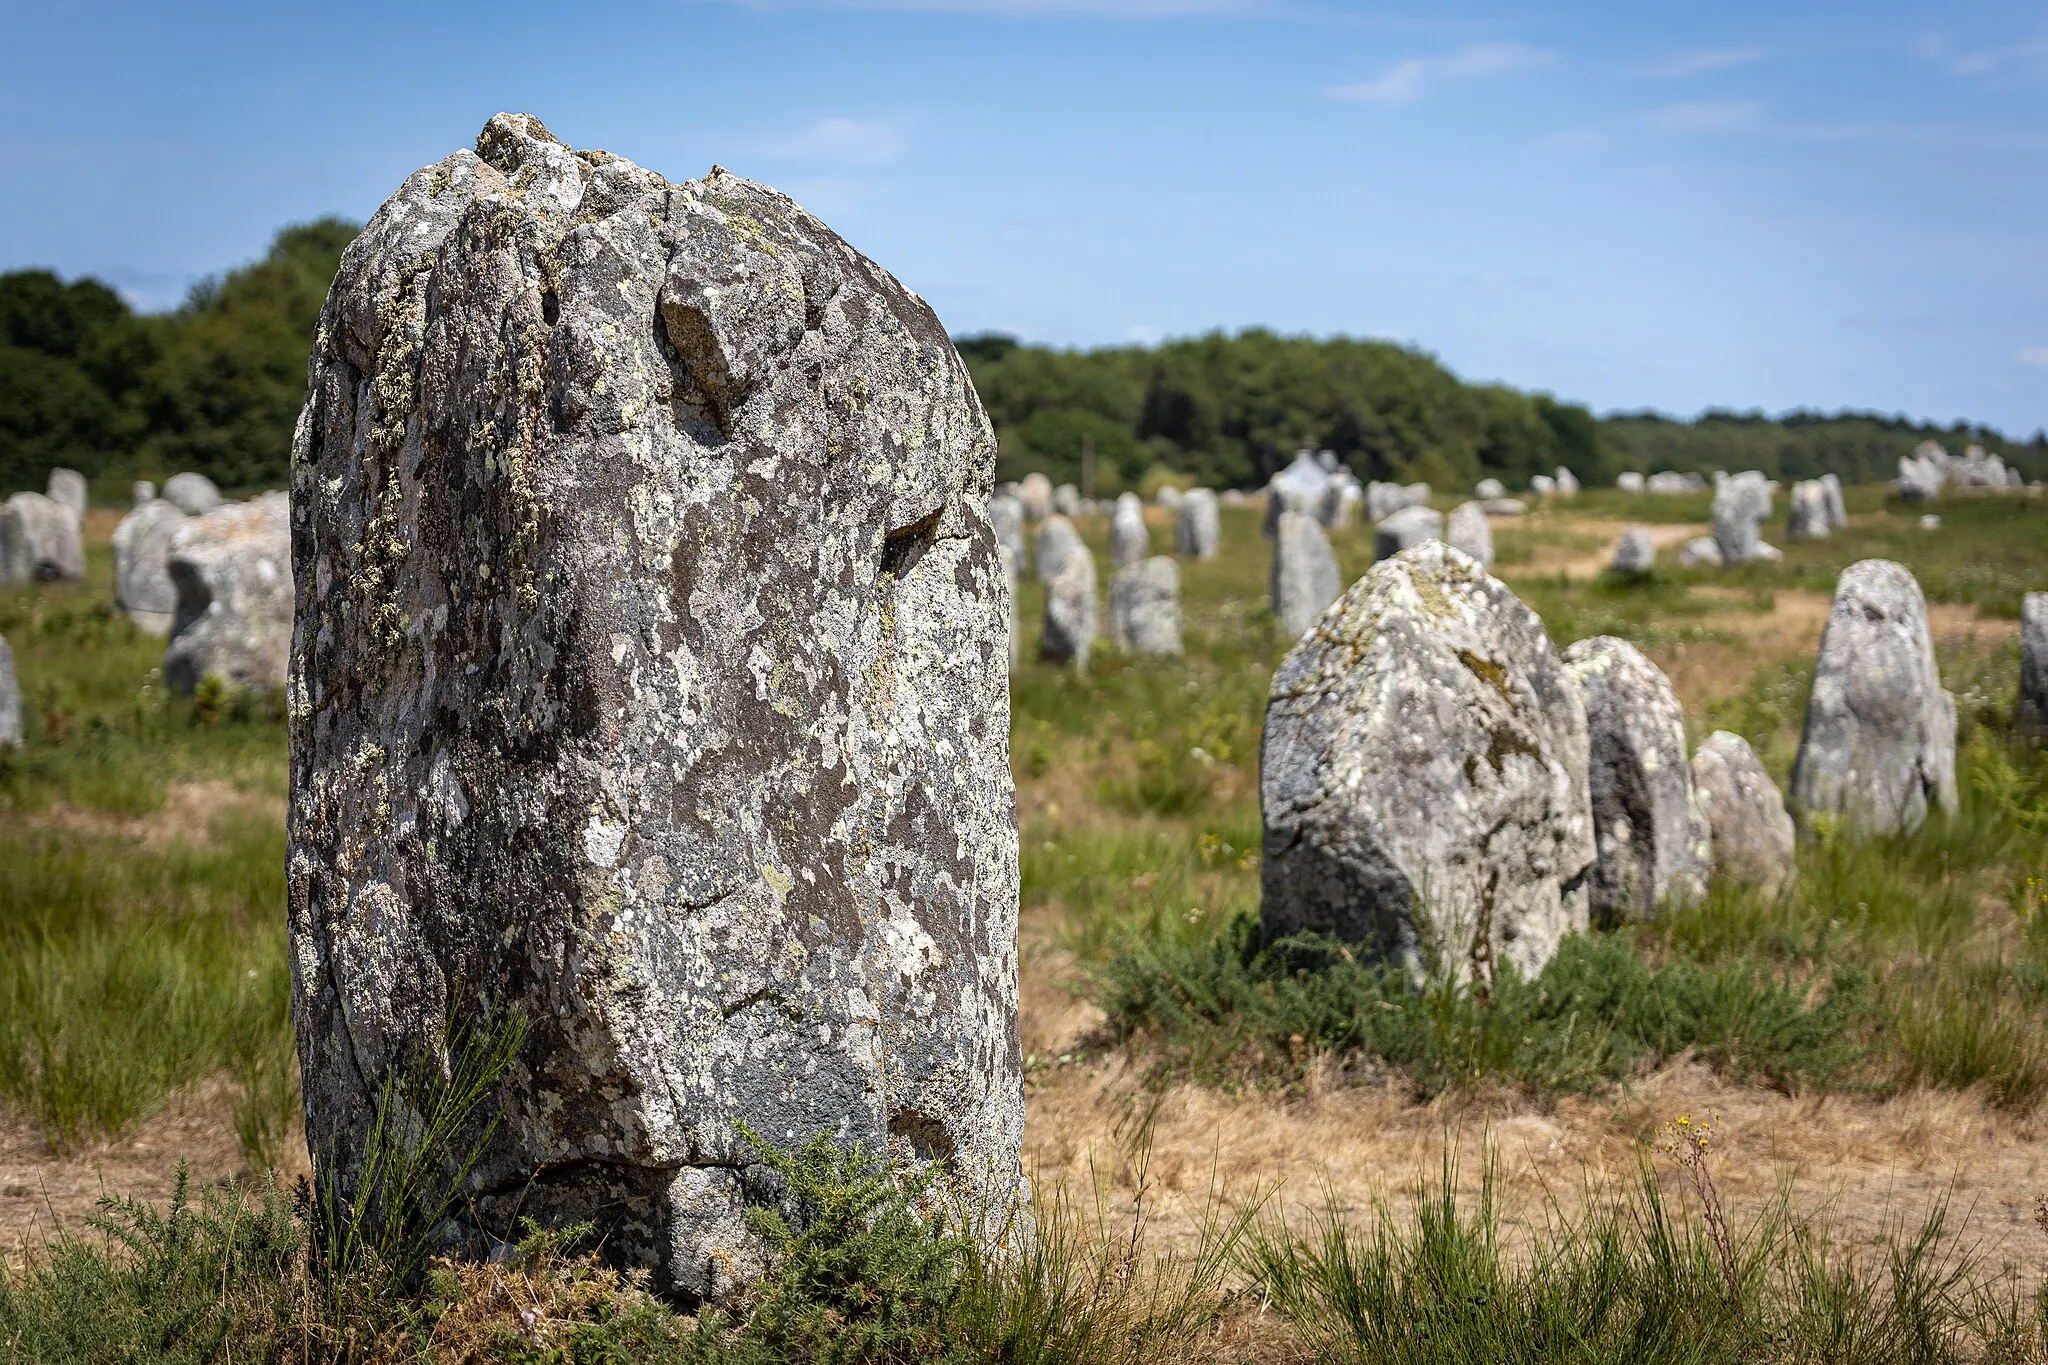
(1315, 1147)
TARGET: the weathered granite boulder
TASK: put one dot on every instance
(1144, 607)
(2033, 704)
(1838, 512)
(1057, 539)
(1542, 485)
(1341, 501)
(1700, 552)
(194, 493)
(39, 541)
(1235, 497)
(1301, 488)
(1406, 529)
(1629, 481)
(1669, 481)
(1809, 518)
(1070, 623)
(1382, 500)
(1504, 507)
(1742, 503)
(1880, 741)
(67, 487)
(1066, 500)
(1489, 488)
(1305, 574)
(1195, 529)
(1650, 834)
(1567, 482)
(1129, 541)
(142, 565)
(144, 492)
(1168, 498)
(648, 686)
(1034, 490)
(1010, 586)
(10, 699)
(232, 573)
(1922, 474)
(1422, 775)
(1635, 554)
(1752, 831)
(1470, 532)
(1006, 519)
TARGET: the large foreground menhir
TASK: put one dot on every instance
(648, 684)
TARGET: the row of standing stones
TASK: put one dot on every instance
(648, 684)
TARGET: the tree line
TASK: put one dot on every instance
(215, 385)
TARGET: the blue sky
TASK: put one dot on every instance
(1740, 204)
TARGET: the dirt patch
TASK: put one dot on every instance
(187, 816)
(40, 1193)
(1549, 561)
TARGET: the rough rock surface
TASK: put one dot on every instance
(1489, 488)
(1809, 517)
(1129, 541)
(1066, 500)
(1422, 776)
(142, 564)
(1635, 553)
(1741, 506)
(1010, 585)
(67, 487)
(2033, 708)
(194, 493)
(144, 492)
(232, 572)
(1144, 607)
(1880, 741)
(1300, 488)
(10, 699)
(1034, 490)
(1629, 481)
(1406, 529)
(1341, 500)
(1504, 507)
(39, 541)
(1567, 482)
(1542, 484)
(1838, 513)
(1383, 500)
(648, 684)
(1070, 623)
(1195, 528)
(1057, 539)
(1305, 574)
(1470, 532)
(1006, 519)
(1649, 831)
(1752, 832)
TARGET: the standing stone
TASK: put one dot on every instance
(232, 572)
(1567, 482)
(1809, 518)
(2033, 707)
(1470, 532)
(1504, 507)
(194, 493)
(1195, 529)
(1144, 607)
(1235, 497)
(1651, 836)
(1838, 513)
(1035, 492)
(1340, 500)
(1382, 500)
(1742, 504)
(1168, 498)
(1129, 541)
(1300, 488)
(145, 492)
(142, 565)
(1057, 539)
(1542, 485)
(1066, 500)
(1880, 739)
(1489, 488)
(1629, 481)
(67, 488)
(1700, 552)
(1406, 529)
(39, 541)
(1006, 519)
(1635, 554)
(648, 686)
(10, 699)
(1752, 831)
(1422, 776)
(1305, 575)
(1070, 627)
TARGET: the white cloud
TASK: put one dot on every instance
(842, 141)
(1405, 80)
(1706, 116)
(1698, 63)
(2035, 356)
